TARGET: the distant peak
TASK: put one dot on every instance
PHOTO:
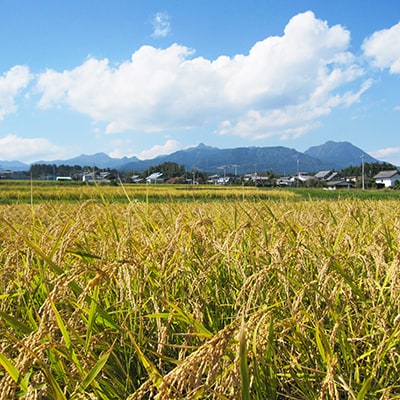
(203, 146)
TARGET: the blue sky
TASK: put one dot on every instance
(144, 78)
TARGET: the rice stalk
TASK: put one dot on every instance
(108, 300)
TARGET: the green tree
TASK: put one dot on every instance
(168, 169)
(370, 169)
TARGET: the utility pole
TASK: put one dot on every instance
(235, 166)
(193, 174)
(362, 172)
(224, 168)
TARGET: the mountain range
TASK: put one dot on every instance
(279, 159)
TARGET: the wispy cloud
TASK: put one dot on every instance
(385, 152)
(389, 154)
(161, 24)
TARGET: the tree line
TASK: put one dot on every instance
(50, 171)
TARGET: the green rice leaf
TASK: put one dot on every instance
(55, 387)
(364, 389)
(91, 376)
(244, 369)
(152, 371)
(320, 346)
(92, 315)
(16, 324)
(188, 318)
(66, 338)
(13, 372)
(61, 325)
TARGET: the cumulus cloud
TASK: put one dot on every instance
(125, 147)
(11, 84)
(281, 87)
(383, 48)
(170, 146)
(13, 147)
(121, 148)
(161, 24)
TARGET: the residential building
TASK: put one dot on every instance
(387, 179)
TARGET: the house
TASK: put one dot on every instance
(326, 175)
(322, 175)
(223, 180)
(136, 179)
(387, 179)
(339, 184)
(285, 181)
(104, 177)
(213, 179)
(174, 179)
(257, 179)
(155, 177)
(6, 174)
(304, 178)
(88, 178)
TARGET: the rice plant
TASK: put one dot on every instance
(230, 299)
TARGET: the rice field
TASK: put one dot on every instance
(253, 295)
(20, 192)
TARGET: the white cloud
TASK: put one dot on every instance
(11, 84)
(290, 121)
(389, 154)
(121, 148)
(170, 146)
(161, 24)
(281, 87)
(126, 148)
(383, 47)
(28, 150)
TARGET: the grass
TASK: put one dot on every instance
(241, 299)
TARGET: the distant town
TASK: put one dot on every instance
(367, 175)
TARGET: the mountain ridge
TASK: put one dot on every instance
(341, 153)
(279, 159)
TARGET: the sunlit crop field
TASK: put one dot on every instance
(17, 192)
(247, 296)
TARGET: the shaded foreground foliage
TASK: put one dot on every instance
(223, 300)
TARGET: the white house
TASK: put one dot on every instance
(285, 181)
(136, 179)
(88, 178)
(387, 178)
(155, 177)
(97, 176)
